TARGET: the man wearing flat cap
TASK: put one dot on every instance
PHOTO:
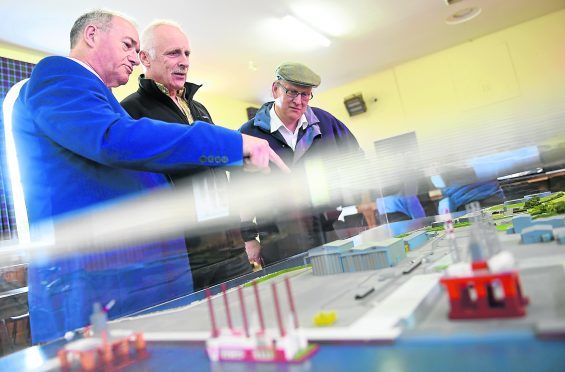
(296, 132)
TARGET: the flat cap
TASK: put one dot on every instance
(297, 73)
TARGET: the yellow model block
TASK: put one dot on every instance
(325, 318)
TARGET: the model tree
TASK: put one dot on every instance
(532, 202)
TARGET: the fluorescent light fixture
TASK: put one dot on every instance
(451, 2)
(303, 33)
(17, 189)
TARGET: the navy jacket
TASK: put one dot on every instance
(286, 233)
(326, 134)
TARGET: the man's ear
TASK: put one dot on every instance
(274, 89)
(144, 58)
(89, 35)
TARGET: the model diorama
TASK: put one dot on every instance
(288, 345)
(377, 290)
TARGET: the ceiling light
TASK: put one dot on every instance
(463, 15)
(330, 19)
(303, 33)
(451, 2)
(251, 66)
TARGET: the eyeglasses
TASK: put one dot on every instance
(292, 94)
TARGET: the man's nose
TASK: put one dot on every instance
(134, 59)
(184, 61)
(297, 99)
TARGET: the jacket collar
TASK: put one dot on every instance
(263, 122)
(149, 84)
(263, 118)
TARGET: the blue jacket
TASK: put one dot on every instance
(77, 147)
(456, 196)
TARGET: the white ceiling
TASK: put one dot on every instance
(367, 35)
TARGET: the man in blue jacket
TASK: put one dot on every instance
(296, 132)
(77, 147)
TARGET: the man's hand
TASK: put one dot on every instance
(257, 154)
(253, 250)
(368, 210)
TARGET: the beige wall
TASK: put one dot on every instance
(500, 91)
(225, 111)
(20, 54)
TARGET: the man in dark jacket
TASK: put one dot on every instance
(298, 133)
(164, 94)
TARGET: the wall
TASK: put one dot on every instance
(504, 90)
(225, 111)
(20, 54)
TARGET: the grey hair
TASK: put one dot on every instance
(148, 36)
(102, 18)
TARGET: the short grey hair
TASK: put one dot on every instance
(102, 18)
(148, 36)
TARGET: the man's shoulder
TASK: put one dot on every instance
(259, 122)
(52, 64)
(325, 119)
(247, 127)
(201, 106)
(57, 72)
(253, 130)
(324, 115)
(138, 106)
(131, 99)
(54, 60)
(332, 126)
